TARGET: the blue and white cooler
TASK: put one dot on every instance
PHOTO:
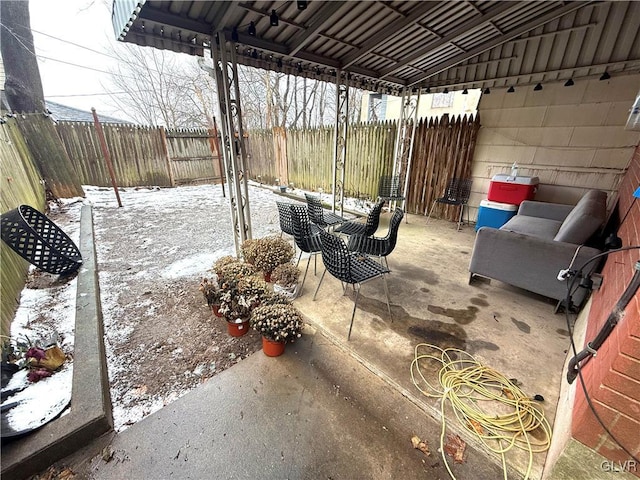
(494, 214)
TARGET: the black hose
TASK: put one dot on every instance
(612, 320)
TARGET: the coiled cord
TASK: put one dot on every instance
(485, 402)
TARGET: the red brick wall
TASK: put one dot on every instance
(613, 376)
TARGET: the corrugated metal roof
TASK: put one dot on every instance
(387, 45)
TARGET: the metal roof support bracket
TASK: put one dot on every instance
(232, 145)
(404, 140)
(340, 141)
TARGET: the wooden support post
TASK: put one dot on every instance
(105, 152)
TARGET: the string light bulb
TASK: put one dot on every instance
(569, 83)
(465, 92)
(511, 89)
(252, 29)
(537, 88)
(275, 21)
(486, 91)
(605, 76)
(302, 5)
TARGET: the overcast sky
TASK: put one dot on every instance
(74, 75)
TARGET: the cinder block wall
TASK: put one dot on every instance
(613, 376)
(572, 138)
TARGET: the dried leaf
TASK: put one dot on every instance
(455, 448)
(507, 393)
(107, 453)
(476, 426)
(420, 445)
(66, 474)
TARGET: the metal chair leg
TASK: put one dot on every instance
(430, 212)
(299, 257)
(353, 313)
(319, 283)
(305, 273)
(460, 217)
(386, 291)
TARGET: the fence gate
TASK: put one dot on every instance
(192, 156)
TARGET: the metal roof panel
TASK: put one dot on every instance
(402, 43)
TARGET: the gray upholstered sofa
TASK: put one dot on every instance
(533, 246)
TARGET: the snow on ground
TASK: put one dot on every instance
(45, 315)
(162, 235)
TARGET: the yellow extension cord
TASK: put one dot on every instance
(468, 385)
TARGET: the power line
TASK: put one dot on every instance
(20, 40)
(75, 44)
(89, 94)
(85, 67)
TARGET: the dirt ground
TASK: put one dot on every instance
(161, 338)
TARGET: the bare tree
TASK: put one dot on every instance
(174, 92)
(162, 88)
(23, 86)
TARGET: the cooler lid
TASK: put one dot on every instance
(503, 177)
(498, 206)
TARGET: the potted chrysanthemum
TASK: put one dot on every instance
(278, 324)
(238, 299)
(271, 252)
(212, 294)
(248, 250)
(285, 279)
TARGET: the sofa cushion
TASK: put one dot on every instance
(534, 226)
(585, 218)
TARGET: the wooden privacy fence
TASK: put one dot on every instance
(20, 185)
(193, 156)
(140, 155)
(443, 149)
(304, 158)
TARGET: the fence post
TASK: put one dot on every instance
(165, 148)
(213, 142)
(105, 152)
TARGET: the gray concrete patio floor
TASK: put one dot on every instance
(312, 413)
(332, 408)
(508, 329)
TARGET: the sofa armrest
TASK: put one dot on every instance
(551, 211)
(525, 261)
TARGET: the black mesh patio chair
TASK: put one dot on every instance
(389, 188)
(457, 193)
(353, 227)
(380, 247)
(319, 215)
(350, 268)
(284, 215)
(286, 223)
(306, 239)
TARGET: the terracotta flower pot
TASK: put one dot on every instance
(216, 310)
(271, 348)
(237, 328)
